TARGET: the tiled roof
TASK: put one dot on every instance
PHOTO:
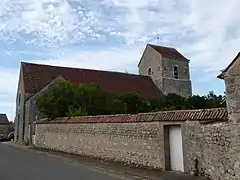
(37, 76)
(183, 115)
(221, 76)
(3, 119)
(219, 114)
(168, 52)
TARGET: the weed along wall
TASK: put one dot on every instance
(194, 141)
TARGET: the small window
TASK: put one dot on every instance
(186, 70)
(159, 68)
(18, 117)
(19, 99)
(175, 71)
(149, 71)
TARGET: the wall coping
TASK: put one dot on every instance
(216, 114)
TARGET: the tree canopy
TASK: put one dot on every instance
(69, 99)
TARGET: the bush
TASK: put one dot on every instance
(81, 111)
(69, 99)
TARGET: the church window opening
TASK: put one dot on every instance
(149, 71)
(175, 71)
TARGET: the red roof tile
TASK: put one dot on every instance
(183, 115)
(168, 52)
(201, 115)
(37, 76)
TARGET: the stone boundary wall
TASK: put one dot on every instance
(141, 139)
(217, 114)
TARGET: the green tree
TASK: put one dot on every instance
(135, 104)
(214, 101)
(196, 102)
(173, 101)
(69, 99)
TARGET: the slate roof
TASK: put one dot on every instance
(168, 52)
(221, 76)
(37, 76)
(3, 119)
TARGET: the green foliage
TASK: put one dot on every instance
(81, 111)
(68, 99)
(134, 103)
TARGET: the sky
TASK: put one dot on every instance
(112, 34)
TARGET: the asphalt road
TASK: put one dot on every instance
(17, 163)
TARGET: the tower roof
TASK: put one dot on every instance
(167, 51)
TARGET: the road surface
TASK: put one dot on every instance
(19, 163)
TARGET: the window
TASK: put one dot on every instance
(186, 70)
(19, 99)
(149, 71)
(175, 71)
(159, 68)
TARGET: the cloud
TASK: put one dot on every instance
(112, 34)
(113, 59)
(206, 32)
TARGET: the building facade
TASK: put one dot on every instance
(168, 69)
(36, 78)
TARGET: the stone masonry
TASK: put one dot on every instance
(231, 76)
(141, 139)
(162, 71)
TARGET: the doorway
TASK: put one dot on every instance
(175, 148)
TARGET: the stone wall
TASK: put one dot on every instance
(208, 139)
(231, 77)
(208, 149)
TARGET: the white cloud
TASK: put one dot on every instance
(121, 59)
(200, 29)
(207, 32)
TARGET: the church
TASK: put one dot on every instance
(162, 70)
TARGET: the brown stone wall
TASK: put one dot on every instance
(133, 143)
(141, 140)
(211, 145)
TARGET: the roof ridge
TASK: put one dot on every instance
(162, 46)
(87, 69)
(221, 76)
(189, 110)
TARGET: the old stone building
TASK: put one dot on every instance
(199, 142)
(169, 73)
(231, 76)
(168, 68)
(36, 78)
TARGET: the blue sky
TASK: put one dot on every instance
(112, 34)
